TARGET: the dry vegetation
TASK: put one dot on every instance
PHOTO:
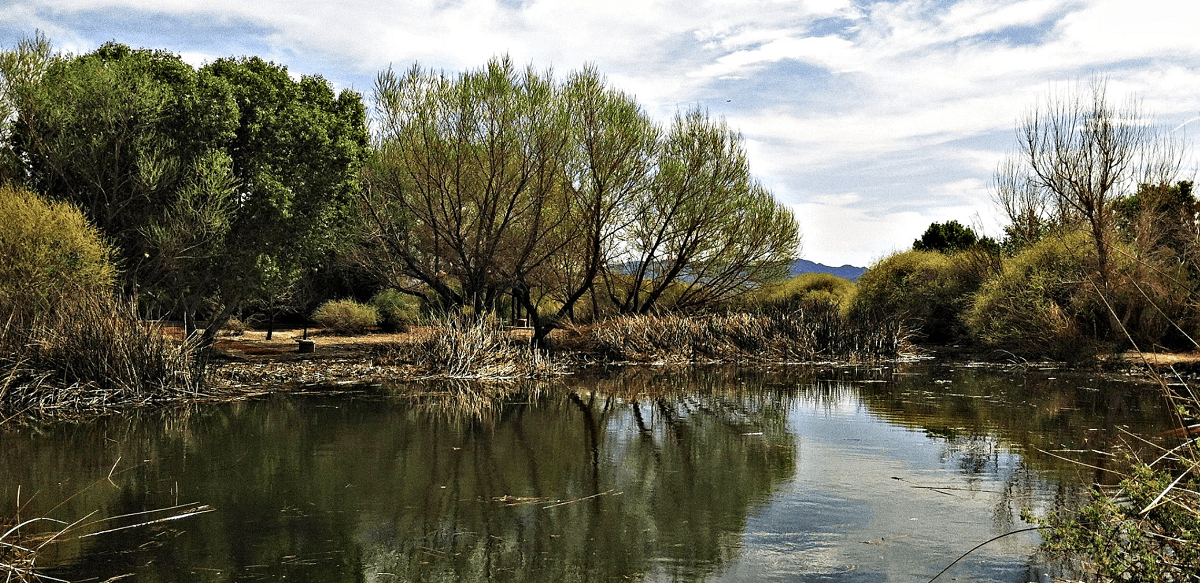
(91, 355)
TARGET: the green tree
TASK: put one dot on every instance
(295, 156)
(946, 237)
(609, 167)
(117, 132)
(200, 177)
(131, 137)
(466, 191)
(20, 70)
(501, 182)
(1161, 217)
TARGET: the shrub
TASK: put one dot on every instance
(346, 316)
(397, 310)
(928, 290)
(1143, 530)
(1039, 305)
(65, 342)
(823, 287)
(234, 327)
(49, 255)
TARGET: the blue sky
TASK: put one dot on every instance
(871, 119)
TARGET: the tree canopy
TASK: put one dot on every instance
(196, 176)
(505, 181)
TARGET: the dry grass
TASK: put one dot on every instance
(473, 348)
(806, 332)
(94, 354)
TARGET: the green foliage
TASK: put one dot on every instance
(946, 237)
(704, 223)
(49, 255)
(1133, 534)
(823, 287)
(499, 181)
(397, 310)
(346, 316)
(199, 177)
(1160, 216)
(928, 290)
(115, 131)
(1048, 301)
(1039, 306)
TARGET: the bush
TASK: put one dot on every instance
(1143, 530)
(822, 287)
(397, 310)
(1039, 305)
(930, 291)
(346, 316)
(49, 255)
(65, 342)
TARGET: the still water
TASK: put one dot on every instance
(645, 474)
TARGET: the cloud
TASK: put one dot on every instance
(906, 104)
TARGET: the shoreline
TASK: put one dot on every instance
(248, 359)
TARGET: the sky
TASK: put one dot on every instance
(871, 119)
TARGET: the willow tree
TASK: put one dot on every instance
(498, 181)
(609, 168)
(706, 230)
(466, 187)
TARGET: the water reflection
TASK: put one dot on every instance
(645, 474)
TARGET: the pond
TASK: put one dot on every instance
(646, 474)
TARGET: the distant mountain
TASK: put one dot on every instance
(849, 272)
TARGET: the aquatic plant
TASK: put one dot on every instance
(803, 330)
(464, 346)
(90, 354)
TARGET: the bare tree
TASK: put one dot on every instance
(1022, 201)
(1082, 153)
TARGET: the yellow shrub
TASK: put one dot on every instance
(49, 253)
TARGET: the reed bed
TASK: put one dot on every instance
(91, 355)
(468, 347)
(806, 331)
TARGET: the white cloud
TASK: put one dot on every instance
(909, 103)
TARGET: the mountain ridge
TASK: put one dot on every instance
(849, 272)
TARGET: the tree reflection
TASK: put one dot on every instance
(645, 473)
(605, 479)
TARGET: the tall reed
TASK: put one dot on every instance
(475, 347)
(793, 331)
(91, 353)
